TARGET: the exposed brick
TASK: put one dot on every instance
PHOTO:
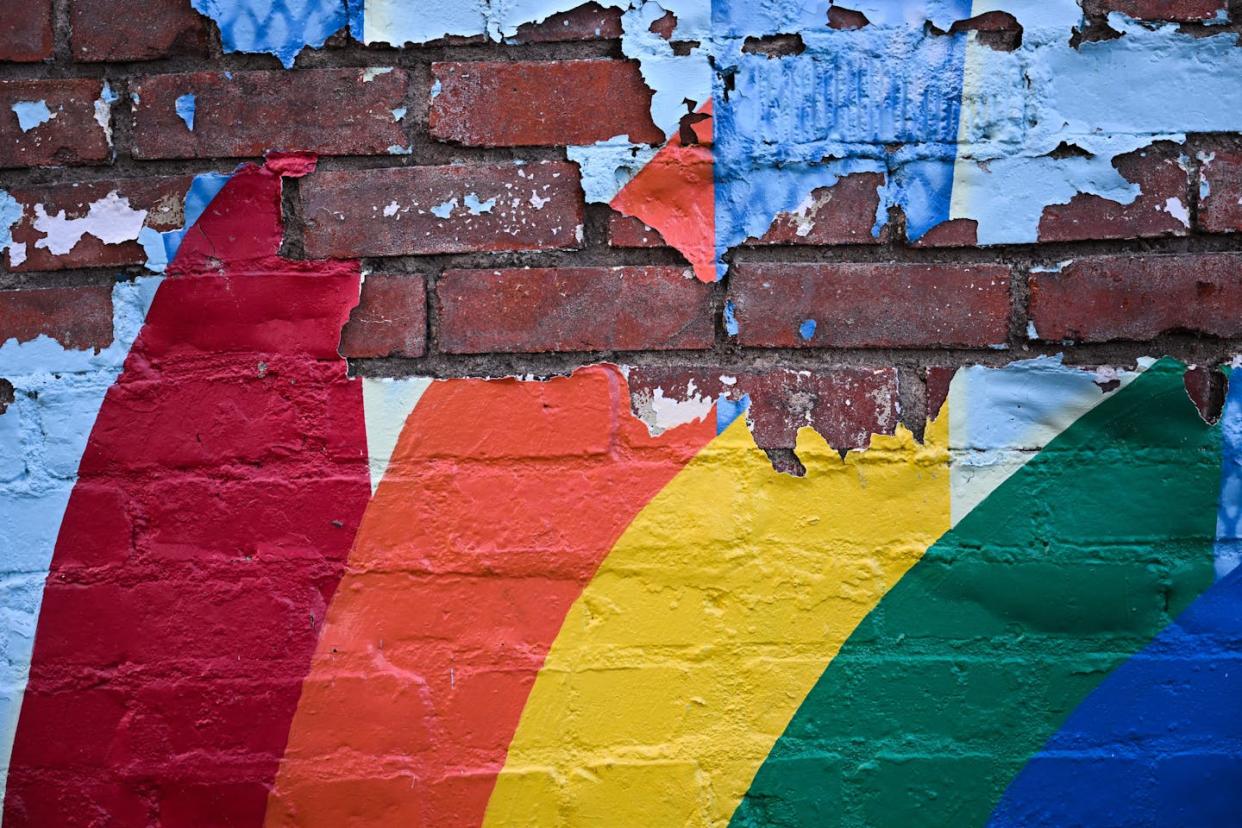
(1139, 297)
(250, 113)
(390, 320)
(26, 31)
(541, 103)
(587, 22)
(845, 405)
(1220, 201)
(1181, 11)
(79, 317)
(163, 199)
(573, 309)
(937, 382)
(1161, 209)
(110, 30)
(71, 136)
(627, 231)
(951, 233)
(389, 212)
(841, 214)
(871, 305)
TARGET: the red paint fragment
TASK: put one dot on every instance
(675, 195)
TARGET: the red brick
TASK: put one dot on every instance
(541, 103)
(951, 233)
(26, 31)
(71, 136)
(937, 382)
(163, 199)
(110, 30)
(845, 405)
(326, 111)
(587, 22)
(574, 309)
(841, 214)
(390, 320)
(1181, 11)
(1165, 192)
(1220, 201)
(871, 305)
(388, 212)
(627, 231)
(1139, 297)
(77, 318)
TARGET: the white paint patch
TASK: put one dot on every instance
(445, 208)
(391, 209)
(661, 413)
(110, 219)
(1177, 210)
(537, 202)
(103, 110)
(386, 405)
(371, 73)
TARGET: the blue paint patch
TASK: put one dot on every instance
(477, 207)
(730, 318)
(399, 113)
(728, 410)
(1157, 742)
(1229, 517)
(31, 114)
(807, 330)
(10, 215)
(444, 209)
(278, 27)
(185, 106)
(161, 248)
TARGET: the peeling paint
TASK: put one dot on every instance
(477, 207)
(110, 219)
(32, 114)
(185, 106)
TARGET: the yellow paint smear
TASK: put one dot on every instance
(707, 625)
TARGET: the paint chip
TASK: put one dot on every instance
(32, 114)
(186, 106)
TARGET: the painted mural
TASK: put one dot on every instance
(505, 602)
(241, 582)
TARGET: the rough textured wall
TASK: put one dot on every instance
(513, 412)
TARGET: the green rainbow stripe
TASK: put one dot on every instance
(981, 651)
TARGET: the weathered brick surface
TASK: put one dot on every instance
(71, 135)
(845, 405)
(243, 114)
(1220, 192)
(844, 213)
(871, 305)
(1162, 207)
(26, 31)
(390, 320)
(451, 209)
(573, 309)
(627, 231)
(1182, 11)
(110, 30)
(44, 209)
(1139, 297)
(540, 103)
(587, 22)
(78, 317)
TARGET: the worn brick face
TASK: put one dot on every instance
(1105, 298)
(587, 22)
(162, 198)
(841, 214)
(573, 309)
(79, 317)
(390, 320)
(540, 103)
(871, 305)
(26, 31)
(109, 30)
(243, 114)
(69, 133)
(1220, 191)
(1162, 207)
(1181, 11)
(845, 405)
(451, 209)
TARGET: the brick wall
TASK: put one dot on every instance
(443, 174)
